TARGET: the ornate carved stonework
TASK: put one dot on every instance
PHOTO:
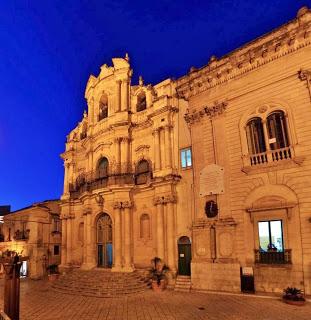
(212, 111)
(123, 204)
(288, 38)
(165, 199)
(305, 75)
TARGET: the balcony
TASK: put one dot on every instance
(92, 181)
(273, 257)
(271, 156)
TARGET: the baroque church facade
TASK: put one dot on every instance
(210, 172)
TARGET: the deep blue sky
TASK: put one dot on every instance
(49, 48)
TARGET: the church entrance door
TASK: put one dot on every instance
(104, 241)
(184, 256)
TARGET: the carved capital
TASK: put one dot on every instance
(171, 198)
(123, 204)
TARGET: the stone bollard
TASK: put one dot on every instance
(12, 267)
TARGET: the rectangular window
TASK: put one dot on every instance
(56, 250)
(56, 224)
(271, 236)
(186, 158)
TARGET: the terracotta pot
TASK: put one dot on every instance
(294, 302)
(158, 287)
(53, 276)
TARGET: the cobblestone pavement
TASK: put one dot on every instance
(39, 301)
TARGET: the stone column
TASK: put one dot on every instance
(170, 234)
(124, 154)
(117, 237)
(117, 142)
(127, 237)
(157, 150)
(66, 182)
(266, 135)
(162, 150)
(160, 228)
(118, 93)
(69, 242)
(124, 94)
(168, 151)
(64, 242)
(85, 238)
(90, 259)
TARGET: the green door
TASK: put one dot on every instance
(184, 256)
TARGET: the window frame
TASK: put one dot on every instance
(181, 158)
(269, 228)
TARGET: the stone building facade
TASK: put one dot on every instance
(250, 115)
(34, 232)
(210, 172)
(122, 174)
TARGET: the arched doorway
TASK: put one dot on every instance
(104, 241)
(184, 256)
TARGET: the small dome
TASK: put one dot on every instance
(302, 11)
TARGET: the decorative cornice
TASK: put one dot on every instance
(217, 109)
(287, 39)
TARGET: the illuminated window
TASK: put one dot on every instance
(271, 236)
(186, 158)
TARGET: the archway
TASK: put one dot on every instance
(104, 241)
(184, 256)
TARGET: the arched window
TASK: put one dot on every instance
(102, 169)
(145, 226)
(103, 107)
(255, 136)
(277, 130)
(142, 172)
(141, 102)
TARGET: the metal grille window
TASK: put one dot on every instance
(186, 158)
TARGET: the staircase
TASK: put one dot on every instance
(101, 283)
(183, 283)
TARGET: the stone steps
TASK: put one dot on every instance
(183, 283)
(96, 283)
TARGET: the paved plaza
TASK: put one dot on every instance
(39, 301)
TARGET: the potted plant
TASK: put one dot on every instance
(293, 296)
(53, 273)
(158, 274)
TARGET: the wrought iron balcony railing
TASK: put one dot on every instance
(95, 180)
(273, 257)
